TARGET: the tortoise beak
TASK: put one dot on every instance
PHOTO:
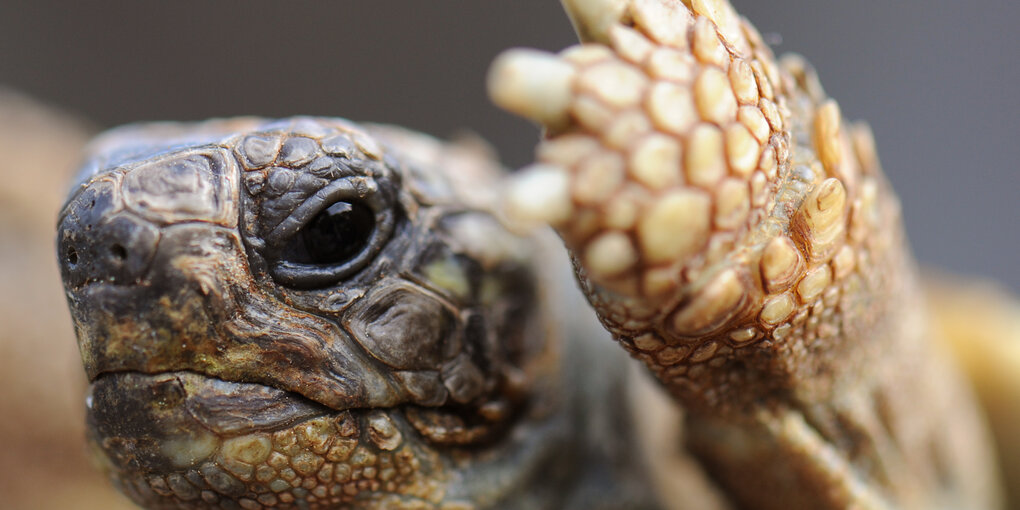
(98, 241)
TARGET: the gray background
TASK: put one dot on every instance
(936, 79)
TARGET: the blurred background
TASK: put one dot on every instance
(937, 80)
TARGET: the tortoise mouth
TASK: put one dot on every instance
(164, 404)
(175, 325)
(170, 438)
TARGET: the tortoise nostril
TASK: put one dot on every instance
(72, 256)
(119, 252)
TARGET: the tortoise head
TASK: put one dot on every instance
(303, 312)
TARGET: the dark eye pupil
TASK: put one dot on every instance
(338, 234)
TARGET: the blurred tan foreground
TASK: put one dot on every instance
(981, 321)
(43, 463)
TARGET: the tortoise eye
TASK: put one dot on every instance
(319, 245)
(335, 235)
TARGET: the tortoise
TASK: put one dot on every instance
(312, 313)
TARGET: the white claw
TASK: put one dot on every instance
(533, 84)
(592, 19)
(539, 194)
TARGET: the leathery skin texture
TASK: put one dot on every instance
(296, 314)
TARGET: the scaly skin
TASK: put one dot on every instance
(738, 237)
(248, 347)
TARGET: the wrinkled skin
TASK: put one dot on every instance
(297, 314)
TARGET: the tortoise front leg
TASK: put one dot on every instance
(739, 238)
